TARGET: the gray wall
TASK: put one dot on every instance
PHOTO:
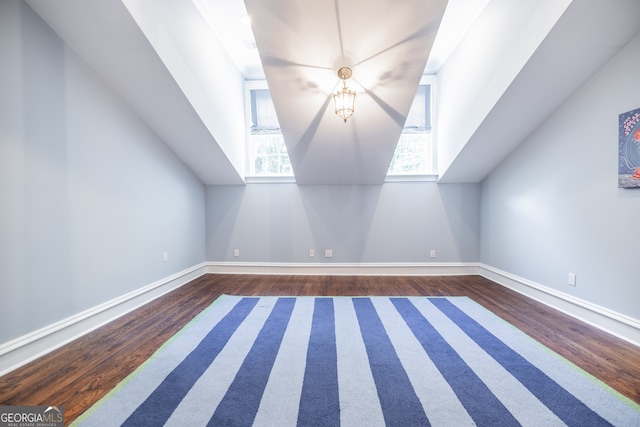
(90, 199)
(394, 222)
(553, 207)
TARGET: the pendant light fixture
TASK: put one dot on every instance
(344, 98)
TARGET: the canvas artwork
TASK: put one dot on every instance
(629, 149)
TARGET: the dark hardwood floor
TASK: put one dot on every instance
(80, 373)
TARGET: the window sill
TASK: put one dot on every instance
(412, 178)
(292, 179)
(270, 179)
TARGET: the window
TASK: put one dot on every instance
(268, 156)
(415, 152)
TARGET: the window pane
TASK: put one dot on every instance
(412, 155)
(267, 151)
(269, 155)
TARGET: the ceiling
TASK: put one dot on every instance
(302, 48)
(502, 68)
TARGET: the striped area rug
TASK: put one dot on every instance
(357, 361)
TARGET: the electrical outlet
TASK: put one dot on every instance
(572, 279)
(312, 253)
(236, 252)
(165, 257)
(328, 253)
(432, 254)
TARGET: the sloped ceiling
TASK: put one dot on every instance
(302, 45)
(105, 35)
(523, 60)
(518, 62)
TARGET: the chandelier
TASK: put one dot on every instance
(344, 98)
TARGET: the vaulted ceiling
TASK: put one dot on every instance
(384, 42)
(510, 65)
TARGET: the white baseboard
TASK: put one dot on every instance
(346, 269)
(22, 350)
(26, 348)
(617, 324)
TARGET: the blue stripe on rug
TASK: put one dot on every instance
(569, 409)
(157, 408)
(481, 404)
(240, 404)
(400, 404)
(319, 403)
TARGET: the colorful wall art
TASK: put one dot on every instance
(629, 149)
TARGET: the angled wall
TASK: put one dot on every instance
(90, 198)
(483, 66)
(212, 83)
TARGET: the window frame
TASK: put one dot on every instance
(250, 176)
(432, 175)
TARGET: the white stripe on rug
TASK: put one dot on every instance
(359, 403)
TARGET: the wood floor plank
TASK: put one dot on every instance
(80, 373)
